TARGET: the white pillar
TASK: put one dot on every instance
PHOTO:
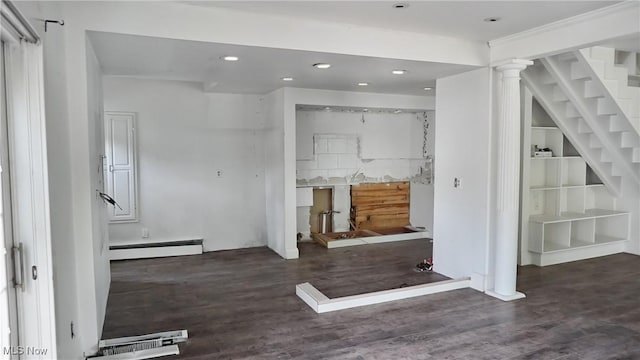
(508, 180)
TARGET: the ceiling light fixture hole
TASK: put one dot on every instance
(492, 19)
(321, 66)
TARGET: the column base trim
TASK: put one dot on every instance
(516, 296)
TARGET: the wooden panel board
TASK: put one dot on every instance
(380, 205)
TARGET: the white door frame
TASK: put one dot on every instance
(130, 203)
(29, 185)
(9, 312)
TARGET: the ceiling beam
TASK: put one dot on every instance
(588, 29)
(175, 20)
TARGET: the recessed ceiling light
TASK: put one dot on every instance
(363, 84)
(397, 111)
(428, 88)
(230, 58)
(401, 5)
(287, 79)
(327, 108)
(399, 72)
(322, 66)
(365, 110)
(492, 19)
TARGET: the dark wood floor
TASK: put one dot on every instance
(366, 268)
(241, 304)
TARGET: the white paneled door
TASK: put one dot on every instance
(120, 163)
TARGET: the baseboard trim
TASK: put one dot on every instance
(321, 303)
(292, 253)
(478, 282)
(516, 296)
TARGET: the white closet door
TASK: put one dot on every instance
(121, 165)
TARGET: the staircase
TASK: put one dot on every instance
(590, 101)
(601, 62)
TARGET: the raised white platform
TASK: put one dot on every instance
(321, 303)
(378, 238)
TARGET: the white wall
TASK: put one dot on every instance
(100, 235)
(381, 135)
(184, 137)
(274, 174)
(461, 221)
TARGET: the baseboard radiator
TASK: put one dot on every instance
(141, 347)
(155, 249)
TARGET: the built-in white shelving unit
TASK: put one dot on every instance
(567, 213)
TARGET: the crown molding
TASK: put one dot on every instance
(625, 6)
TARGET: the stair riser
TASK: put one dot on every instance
(575, 128)
(575, 78)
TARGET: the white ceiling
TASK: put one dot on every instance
(259, 69)
(452, 18)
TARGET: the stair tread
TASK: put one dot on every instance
(597, 145)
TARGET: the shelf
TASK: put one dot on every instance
(565, 214)
(576, 243)
(604, 239)
(574, 171)
(571, 216)
(600, 213)
(547, 137)
(544, 173)
(572, 199)
(538, 188)
(598, 197)
(556, 157)
(551, 247)
(544, 201)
